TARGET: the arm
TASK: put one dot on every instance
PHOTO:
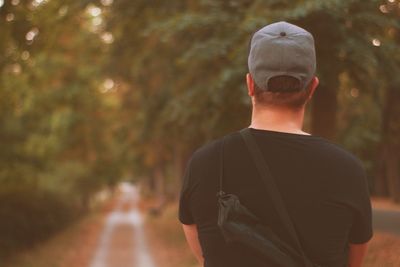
(356, 254)
(193, 241)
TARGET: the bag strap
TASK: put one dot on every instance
(272, 189)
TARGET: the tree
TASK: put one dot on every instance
(387, 180)
(185, 63)
(55, 106)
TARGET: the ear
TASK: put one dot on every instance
(250, 84)
(314, 84)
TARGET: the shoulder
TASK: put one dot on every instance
(341, 153)
(342, 162)
(210, 151)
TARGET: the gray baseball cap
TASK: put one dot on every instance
(282, 49)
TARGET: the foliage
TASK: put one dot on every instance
(29, 217)
(54, 113)
(58, 144)
(187, 61)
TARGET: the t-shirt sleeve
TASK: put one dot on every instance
(185, 215)
(361, 230)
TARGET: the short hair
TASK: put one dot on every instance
(283, 91)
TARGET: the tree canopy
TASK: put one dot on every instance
(187, 63)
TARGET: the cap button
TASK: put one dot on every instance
(283, 33)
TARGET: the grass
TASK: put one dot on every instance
(170, 248)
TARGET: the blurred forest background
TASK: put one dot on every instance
(96, 92)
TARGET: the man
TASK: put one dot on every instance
(323, 186)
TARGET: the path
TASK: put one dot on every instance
(123, 243)
(387, 221)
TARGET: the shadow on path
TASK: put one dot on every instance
(387, 221)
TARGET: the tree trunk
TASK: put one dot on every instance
(151, 183)
(393, 174)
(159, 181)
(380, 187)
(390, 173)
(323, 109)
(177, 173)
(85, 202)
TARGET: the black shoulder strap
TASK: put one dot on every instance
(272, 189)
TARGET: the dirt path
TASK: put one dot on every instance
(122, 242)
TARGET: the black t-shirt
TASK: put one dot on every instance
(323, 186)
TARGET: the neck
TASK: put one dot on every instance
(278, 119)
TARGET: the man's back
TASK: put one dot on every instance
(324, 188)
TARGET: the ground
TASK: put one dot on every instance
(124, 233)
